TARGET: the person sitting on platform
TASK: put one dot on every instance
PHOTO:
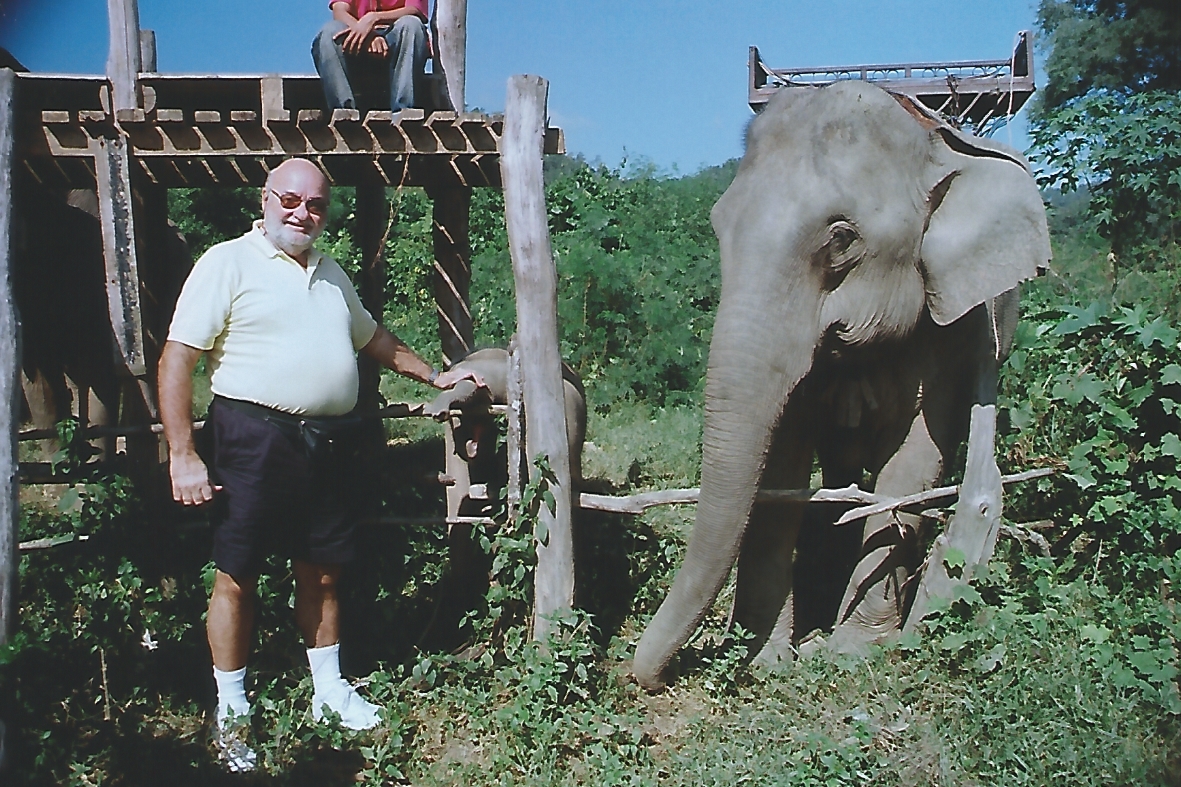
(383, 37)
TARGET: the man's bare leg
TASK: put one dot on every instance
(228, 626)
(230, 620)
(317, 611)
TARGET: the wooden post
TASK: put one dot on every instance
(9, 370)
(147, 51)
(112, 164)
(123, 61)
(9, 386)
(373, 221)
(971, 534)
(537, 330)
(453, 269)
(513, 438)
(451, 49)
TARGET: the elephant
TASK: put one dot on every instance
(68, 363)
(480, 464)
(871, 256)
(493, 365)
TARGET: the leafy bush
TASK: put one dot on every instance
(1097, 392)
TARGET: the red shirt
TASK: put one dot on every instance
(359, 8)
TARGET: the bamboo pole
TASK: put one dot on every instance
(535, 277)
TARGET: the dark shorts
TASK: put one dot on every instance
(273, 501)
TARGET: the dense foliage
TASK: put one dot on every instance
(1109, 120)
(1108, 46)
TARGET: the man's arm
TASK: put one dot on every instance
(190, 477)
(361, 30)
(393, 353)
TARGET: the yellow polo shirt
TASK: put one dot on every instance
(277, 334)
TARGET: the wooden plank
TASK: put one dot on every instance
(123, 60)
(273, 109)
(535, 277)
(451, 50)
(112, 165)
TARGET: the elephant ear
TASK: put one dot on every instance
(986, 225)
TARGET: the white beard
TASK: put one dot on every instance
(286, 238)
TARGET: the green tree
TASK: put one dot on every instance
(1108, 46)
(1109, 119)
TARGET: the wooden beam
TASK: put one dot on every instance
(970, 538)
(514, 411)
(373, 224)
(10, 391)
(147, 51)
(123, 60)
(453, 268)
(869, 503)
(535, 277)
(112, 164)
(451, 49)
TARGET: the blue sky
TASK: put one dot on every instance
(654, 80)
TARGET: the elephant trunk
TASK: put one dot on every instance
(752, 371)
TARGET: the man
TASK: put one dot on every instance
(378, 36)
(280, 323)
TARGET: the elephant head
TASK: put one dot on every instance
(854, 215)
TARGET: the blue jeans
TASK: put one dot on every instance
(404, 65)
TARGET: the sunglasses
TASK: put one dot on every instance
(289, 201)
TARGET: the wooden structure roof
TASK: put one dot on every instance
(972, 93)
(217, 130)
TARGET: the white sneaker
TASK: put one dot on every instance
(355, 713)
(231, 744)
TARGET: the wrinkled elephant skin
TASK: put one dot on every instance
(492, 365)
(870, 261)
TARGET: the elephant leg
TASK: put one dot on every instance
(874, 600)
(825, 557)
(47, 398)
(763, 594)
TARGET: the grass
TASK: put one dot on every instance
(508, 712)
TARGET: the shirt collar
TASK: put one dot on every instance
(263, 243)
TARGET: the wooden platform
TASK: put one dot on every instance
(198, 130)
(972, 93)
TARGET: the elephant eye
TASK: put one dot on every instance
(842, 249)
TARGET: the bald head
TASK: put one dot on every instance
(300, 184)
(297, 170)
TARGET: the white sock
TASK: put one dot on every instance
(332, 690)
(325, 663)
(231, 693)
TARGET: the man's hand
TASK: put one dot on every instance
(449, 378)
(190, 480)
(378, 47)
(356, 38)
